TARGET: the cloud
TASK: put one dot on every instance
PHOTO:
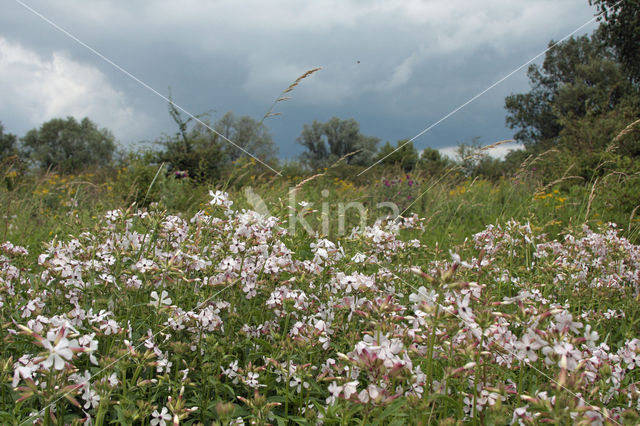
(398, 65)
(500, 151)
(402, 73)
(449, 151)
(40, 88)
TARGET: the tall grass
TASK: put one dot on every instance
(487, 302)
(41, 206)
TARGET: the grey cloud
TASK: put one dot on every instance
(418, 59)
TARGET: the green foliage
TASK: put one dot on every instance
(432, 162)
(404, 154)
(579, 78)
(620, 22)
(69, 146)
(469, 155)
(291, 169)
(201, 154)
(246, 133)
(8, 144)
(580, 101)
(185, 255)
(328, 142)
(594, 133)
(473, 160)
(196, 152)
(140, 180)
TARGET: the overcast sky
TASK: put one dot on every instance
(396, 66)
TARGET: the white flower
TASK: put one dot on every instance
(359, 258)
(59, 350)
(160, 418)
(110, 327)
(90, 345)
(456, 259)
(112, 215)
(423, 297)
(374, 392)
(590, 336)
(144, 265)
(24, 372)
(163, 364)
(528, 346)
(350, 388)
(569, 356)
(334, 390)
(220, 198)
(252, 380)
(565, 322)
(161, 300)
(113, 380)
(232, 371)
(297, 383)
(321, 253)
(464, 311)
(91, 398)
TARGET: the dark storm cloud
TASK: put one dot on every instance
(395, 66)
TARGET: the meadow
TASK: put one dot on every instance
(133, 297)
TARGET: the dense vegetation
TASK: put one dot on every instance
(189, 283)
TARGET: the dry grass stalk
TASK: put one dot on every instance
(591, 197)
(496, 144)
(531, 160)
(562, 179)
(487, 148)
(631, 217)
(620, 175)
(472, 182)
(299, 79)
(344, 157)
(301, 184)
(289, 89)
(622, 134)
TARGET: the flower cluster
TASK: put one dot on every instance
(227, 315)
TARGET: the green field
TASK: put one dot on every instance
(485, 302)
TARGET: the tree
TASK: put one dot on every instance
(247, 133)
(312, 138)
(69, 146)
(580, 78)
(330, 141)
(469, 156)
(196, 151)
(432, 162)
(404, 155)
(620, 23)
(8, 146)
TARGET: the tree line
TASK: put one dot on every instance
(583, 108)
(71, 146)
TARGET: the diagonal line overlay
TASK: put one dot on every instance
(485, 90)
(133, 77)
(139, 81)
